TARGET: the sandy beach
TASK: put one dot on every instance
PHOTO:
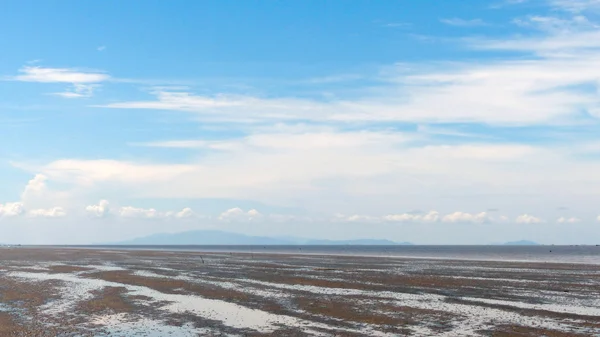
(87, 292)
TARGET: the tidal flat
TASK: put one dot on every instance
(99, 292)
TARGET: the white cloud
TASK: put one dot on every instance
(571, 38)
(528, 219)
(570, 220)
(464, 22)
(231, 213)
(11, 209)
(134, 212)
(576, 6)
(179, 144)
(478, 152)
(88, 172)
(297, 167)
(185, 213)
(525, 92)
(238, 214)
(254, 214)
(59, 75)
(291, 141)
(432, 216)
(34, 201)
(288, 162)
(467, 217)
(36, 187)
(560, 49)
(101, 210)
(82, 83)
(356, 218)
(54, 212)
(228, 107)
(556, 25)
(266, 159)
(542, 88)
(78, 91)
(329, 171)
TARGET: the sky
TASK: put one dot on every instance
(434, 122)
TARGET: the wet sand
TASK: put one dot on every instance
(86, 292)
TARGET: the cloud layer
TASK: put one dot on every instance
(512, 127)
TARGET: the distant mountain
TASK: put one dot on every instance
(205, 237)
(521, 243)
(213, 237)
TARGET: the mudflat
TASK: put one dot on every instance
(93, 292)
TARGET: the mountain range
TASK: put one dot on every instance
(214, 237)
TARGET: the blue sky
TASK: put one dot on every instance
(424, 121)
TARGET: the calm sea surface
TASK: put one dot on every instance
(557, 254)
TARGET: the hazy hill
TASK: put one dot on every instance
(213, 237)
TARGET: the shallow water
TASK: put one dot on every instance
(542, 253)
(308, 295)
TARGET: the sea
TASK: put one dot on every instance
(580, 254)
